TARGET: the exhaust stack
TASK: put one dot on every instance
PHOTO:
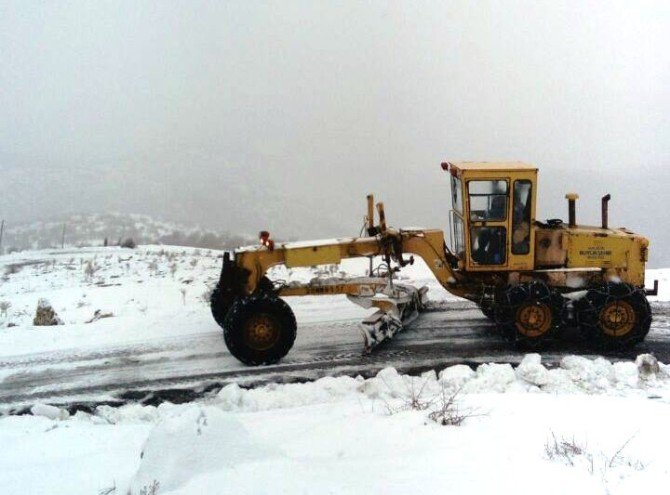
(605, 200)
(572, 215)
(371, 215)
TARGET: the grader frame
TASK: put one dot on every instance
(520, 272)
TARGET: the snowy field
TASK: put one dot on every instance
(150, 292)
(588, 426)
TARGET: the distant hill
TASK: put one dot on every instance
(94, 229)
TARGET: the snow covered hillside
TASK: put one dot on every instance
(586, 425)
(94, 229)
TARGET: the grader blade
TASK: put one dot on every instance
(398, 305)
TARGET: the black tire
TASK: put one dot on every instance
(529, 314)
(220, 302)
(614, 315)
(487, 309)
(259, 329)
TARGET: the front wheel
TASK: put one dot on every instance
(222, 300)
(219, 304)
(259, 329)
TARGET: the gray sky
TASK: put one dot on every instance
(283, 115)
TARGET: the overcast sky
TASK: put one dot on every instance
(283, 115)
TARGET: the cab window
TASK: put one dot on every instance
(456, 194)
(488, 245)
(521, 217)
(459, 237)
(488, 200)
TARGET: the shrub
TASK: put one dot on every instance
(12, 269)
(447, 411)
(128, 243)
(4, 307)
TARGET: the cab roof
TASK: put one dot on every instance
(497, 166)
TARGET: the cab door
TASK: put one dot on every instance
(487, 214)
(522, 217)
(456, 218)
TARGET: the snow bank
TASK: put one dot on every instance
(194, 440)
(576, 374)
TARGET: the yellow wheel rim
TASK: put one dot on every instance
(533, 319)
(617, 318)
(261, 332)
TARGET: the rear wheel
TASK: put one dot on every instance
(529, 313)
(259, 329)
(614, 315)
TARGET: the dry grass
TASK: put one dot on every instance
(569, 451)
(443, 408)
(448, 412)
(151, 488)
(566, 450)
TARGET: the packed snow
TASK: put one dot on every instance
(587, 426)
(380, 435)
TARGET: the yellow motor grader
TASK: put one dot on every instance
(530, 277)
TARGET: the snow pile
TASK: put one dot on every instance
(49, 412)
(532, 371)
(576, 374)
(234, 398)
(193, 441)
(457, 375)
(648, 366)
(491, 378)
(131, 413)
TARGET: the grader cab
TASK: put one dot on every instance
(531, 278)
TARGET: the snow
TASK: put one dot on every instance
(151, 292)
(195, 440)
(531, 370)
(332, 435)
(350, 435)
(50, 412)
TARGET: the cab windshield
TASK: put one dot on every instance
(488, 200)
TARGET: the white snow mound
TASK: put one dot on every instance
(50, 412)
(193, 441)
(532, 371)
(276, 396)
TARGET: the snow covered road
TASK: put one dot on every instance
(179, 368)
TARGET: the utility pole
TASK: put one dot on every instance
(2, 230)
(62, 244)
